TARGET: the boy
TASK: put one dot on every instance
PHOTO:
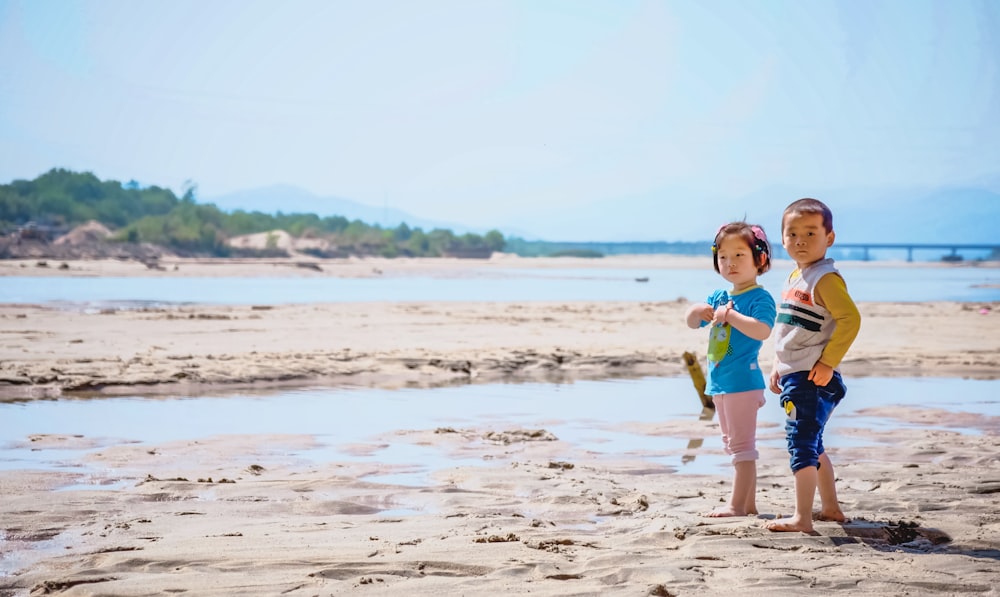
(817, 322)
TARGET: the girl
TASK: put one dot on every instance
(741, 319)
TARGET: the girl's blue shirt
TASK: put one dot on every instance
(732, 355)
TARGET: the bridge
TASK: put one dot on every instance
(593, 248)
(911, 247)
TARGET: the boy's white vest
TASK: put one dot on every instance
(803, 327)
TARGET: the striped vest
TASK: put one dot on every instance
(803, 327)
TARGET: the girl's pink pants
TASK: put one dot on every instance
(738, 420)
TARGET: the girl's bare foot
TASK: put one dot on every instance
(723, 512)
(793, 524)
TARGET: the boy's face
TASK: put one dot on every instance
(804, 237)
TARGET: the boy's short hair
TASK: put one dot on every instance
(809, 205)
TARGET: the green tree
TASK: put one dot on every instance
(156, 215)
(494, 241)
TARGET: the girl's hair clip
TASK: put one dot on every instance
(762, 244)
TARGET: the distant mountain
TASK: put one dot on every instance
(916, 214)
(954, 214)
(290, 199)
(942, 215)
(653, 216)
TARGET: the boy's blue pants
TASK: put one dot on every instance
(808, 407)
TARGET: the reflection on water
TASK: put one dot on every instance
(624, 418)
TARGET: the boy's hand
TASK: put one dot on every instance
(773, 381)
(821, 374)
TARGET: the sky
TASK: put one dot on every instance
(485, 111)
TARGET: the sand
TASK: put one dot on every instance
(235, 515)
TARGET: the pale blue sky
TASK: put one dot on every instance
(484, 111)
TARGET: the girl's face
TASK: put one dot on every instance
(736, 263)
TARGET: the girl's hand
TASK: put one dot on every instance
(698, 313)
(719, 316)
(707, 313)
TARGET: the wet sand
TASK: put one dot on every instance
(239, 515)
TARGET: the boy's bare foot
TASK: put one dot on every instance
(788, 525)
(832, 516)
(723, 512)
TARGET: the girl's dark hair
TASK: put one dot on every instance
(755, 238)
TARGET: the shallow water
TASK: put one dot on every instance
(588, 416)
(906, 284)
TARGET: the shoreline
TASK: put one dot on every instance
(356, 267)
(47, 352)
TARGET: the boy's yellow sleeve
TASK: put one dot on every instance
(831, 290)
